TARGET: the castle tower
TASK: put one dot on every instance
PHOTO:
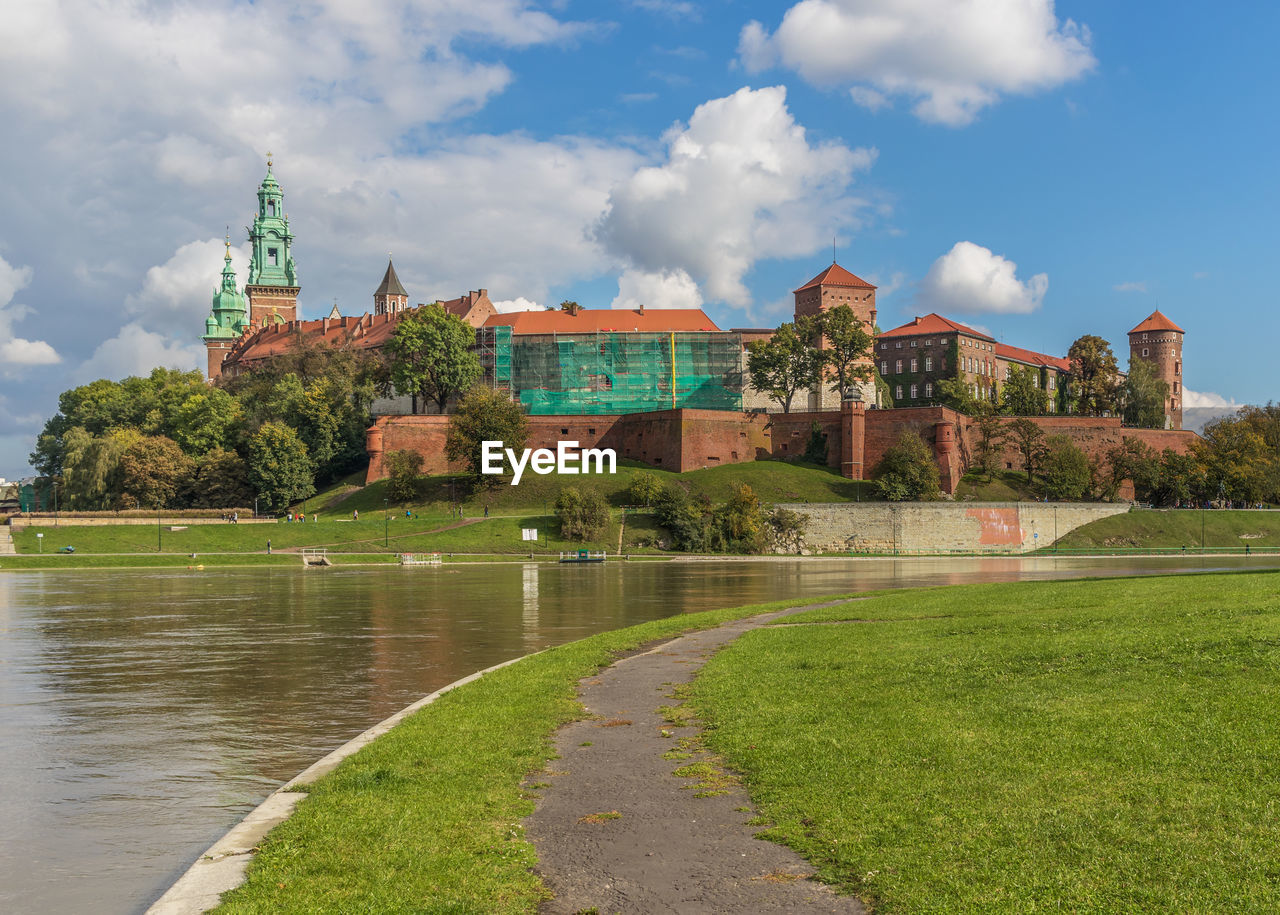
(832, 288)
(227, 320)
(390, 297)
(272, 288)
(1159, 341)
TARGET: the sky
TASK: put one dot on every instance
(1039, 170)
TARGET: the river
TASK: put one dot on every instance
(143, 713)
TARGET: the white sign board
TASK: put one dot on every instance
(528, 533)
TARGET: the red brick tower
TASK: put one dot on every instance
(832, 288)
(1159, 341)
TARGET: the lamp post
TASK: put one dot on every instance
(386, 521)
(158, 530)
(55, 503)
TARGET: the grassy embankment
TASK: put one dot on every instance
(1174, 529)
(1098, 746)
(384, 529)
(427, 818)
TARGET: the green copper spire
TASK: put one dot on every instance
(230, 311)
(271, 263)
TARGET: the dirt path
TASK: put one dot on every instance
(618, 831)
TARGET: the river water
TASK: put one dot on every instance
(143, 713)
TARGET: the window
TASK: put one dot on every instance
(915, 365)
(897, 392)
(928, 343)
(915, 343)
(884, 367)
(1177, 368)
(942, 342)
(1051, 382)
(884, 345)
(928, 389)
(564, 431)
(1008, 372)
(1175, 387)
(272, 257)
(913, 392)
(1144, 351)
(897, 367)
(897, 344)
(271, 208)
(928, 363)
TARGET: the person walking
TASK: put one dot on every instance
(355, 514)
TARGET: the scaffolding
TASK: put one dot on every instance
(611, 372)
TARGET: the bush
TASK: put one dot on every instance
(1066, 469)
(584, 516)
(908, 472)
(645, 490)
(404, 475)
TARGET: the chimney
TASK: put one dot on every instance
(642, 308)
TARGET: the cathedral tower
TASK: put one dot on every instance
(273, 277)
(1159, 341)
(227, 320)
(390, 297)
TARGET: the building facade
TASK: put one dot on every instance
(1159, 341)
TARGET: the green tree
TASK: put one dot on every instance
(786, 363)
(1022, 394)
(848, 347)
(583, 514)
(1028, 439)
(91, 468)
(220, 480)
(404, 475)
(1134, 460)
(205, 420)
(954, 392)
(645, 489)
(990, 435)
(1066, 469)
(1144, 395)
(153, 469)
(1181, 478)
(280, 469)
(430, 356)
(740, 522)
(1094, 375)
(484, 415)
(1236, 460)
(908, 472)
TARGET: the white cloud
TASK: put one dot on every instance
(970, 279)
(136, 351)
(950, 59)
(176, 295)
(664, 289)
(1197, 400)
(517, 304)
(741, 182)
(14, 350)
(1130, 287)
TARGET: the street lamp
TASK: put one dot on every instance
(55, 503)
(386, 520)
(158, 529)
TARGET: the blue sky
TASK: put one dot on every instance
(1040, 170)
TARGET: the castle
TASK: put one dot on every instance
(668, 386)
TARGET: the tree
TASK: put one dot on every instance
(1094, 373)
(786, 362)
(404, 475)
(1028, 438)
(908, 472)
(206, 420)
(1236, 459)
(1066, 469)
(220, 480)
(1144, 395)
(1022, 394)
(584, 515)
(153, 469)
(848, 349)
(279, 468)
(645, 489)
(954, 392)
(91, 468)
(431, 356)
(1134, 460)
(484, 415)
(740, 523)
(815, 451)
(991, 436)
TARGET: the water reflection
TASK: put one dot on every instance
(128, 697)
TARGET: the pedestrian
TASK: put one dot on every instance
(288, 518)
(486, 511)
(268, 547)
(355, 514)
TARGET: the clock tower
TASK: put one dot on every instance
(273, 287)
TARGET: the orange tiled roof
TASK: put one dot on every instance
(1157, 321)
(597, 320)
(1031, 357)
(835, 275)
(934, 324)
(365, 332)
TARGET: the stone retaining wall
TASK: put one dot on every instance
(997, 527)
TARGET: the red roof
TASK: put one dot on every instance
(835, 275)
(365, 332)
(1031, 357)
(598, 320)
(1157, 321)
(934, 324)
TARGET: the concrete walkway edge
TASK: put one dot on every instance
(223, 866)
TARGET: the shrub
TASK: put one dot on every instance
(908, 472)
(645, 489)
(583, 515)
(404, 475)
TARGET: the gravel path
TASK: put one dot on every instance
(617, 831)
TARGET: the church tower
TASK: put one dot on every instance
(273, 277)
(390, 297)
(1159, 341)
(227, 320)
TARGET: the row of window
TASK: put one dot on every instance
(897, 344)
(915, 391)
(915, 365)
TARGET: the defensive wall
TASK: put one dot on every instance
(686, 439)
(939, 527)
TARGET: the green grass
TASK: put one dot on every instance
(427, 818)
(1092, 746)
(1175, 528)
(1003, 486)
